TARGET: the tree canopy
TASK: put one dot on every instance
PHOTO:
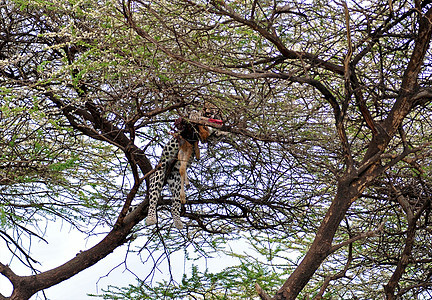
(323, 162)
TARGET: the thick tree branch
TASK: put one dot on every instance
(405, 257)
(26, 286)
(360, 236)
(350, 186)
(110, 133)
(406, 98)
(127, 12)
(349, 189)
(337, 276)
(338, 114)
(9, 274)
(408, 92)
(222, 8)
(347, 75)
(361, 102)
(374, 37)
(261, 293)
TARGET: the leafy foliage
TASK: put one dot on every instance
(326, 110)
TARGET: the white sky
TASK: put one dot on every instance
(65, 244)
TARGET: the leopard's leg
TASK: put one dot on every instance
(197, 150)
(156, 184)
(174, 183)
(184, 155)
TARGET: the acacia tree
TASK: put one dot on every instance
(327, 107)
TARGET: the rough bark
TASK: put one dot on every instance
(352, 184)
(349, 189)
(405, 257)
(26, 286)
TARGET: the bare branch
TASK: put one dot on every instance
(360, 236)
(261, 293)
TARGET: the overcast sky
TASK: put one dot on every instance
(66, 243)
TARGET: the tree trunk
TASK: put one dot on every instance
(348, 191)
